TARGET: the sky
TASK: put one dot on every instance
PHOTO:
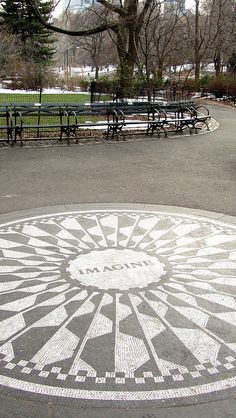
(58, 10)
(189, 3)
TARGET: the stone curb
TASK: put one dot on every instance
(48, 210)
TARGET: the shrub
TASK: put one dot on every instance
(27, 75)
(204, 81)
(190, 85)
(218, 86)
(232, 86)
(83, 83)
(224, 85)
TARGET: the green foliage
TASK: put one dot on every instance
(17, 16)
(190, 85)
(204, 81)
(84, 84)
(106, 85)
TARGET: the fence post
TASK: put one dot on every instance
(92, 91)
(40, 101)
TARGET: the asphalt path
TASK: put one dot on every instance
(197, 171)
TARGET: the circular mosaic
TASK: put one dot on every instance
(118, 305)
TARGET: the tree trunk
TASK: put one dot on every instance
(196, 43)
(197, 68)
(217, 63)
(219, 41)
(127, 40)
(159, 76)
(126, 70)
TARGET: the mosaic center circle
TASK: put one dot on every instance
(118, 305)
(116, 269)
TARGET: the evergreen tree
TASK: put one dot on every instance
(17, 16)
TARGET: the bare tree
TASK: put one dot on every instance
(199, 26)
(125, 20)
(92, 49)
(211, 32)
(223, 31)
(10, 51)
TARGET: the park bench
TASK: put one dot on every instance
(67, 119)
(30, 117)
(113, 118)
(178, 119)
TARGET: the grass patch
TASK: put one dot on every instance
(60, 98)
(43, 119)
(46, 98)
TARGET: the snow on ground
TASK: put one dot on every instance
(91, 72)
(45, 91)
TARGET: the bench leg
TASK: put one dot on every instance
(68, 135)
(207, 125)
(165, 131)
(65, 131)
(18, 132)
(122, 134)
(108, 132)
(76, 136)
(180, 128)
(156, 127)
(21, 139)
(116, 133)
(61, 134)
(10, 137)
(150, 129)
(73, 132)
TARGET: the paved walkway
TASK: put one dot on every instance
(119, 309)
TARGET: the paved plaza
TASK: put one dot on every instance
(124, 308)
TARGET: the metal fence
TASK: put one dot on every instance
(43, 97)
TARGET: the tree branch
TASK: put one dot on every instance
(112, 7)
(144, 11)
(84, 32)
